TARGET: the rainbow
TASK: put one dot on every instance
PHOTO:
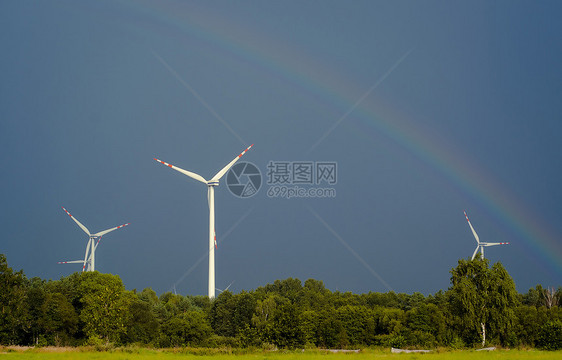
(466, 175)
(335, 89)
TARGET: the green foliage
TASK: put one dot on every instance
(59, 320)
(96, 310)
(14, 315)
(222, 314)
(534, 297)
(426, 324)
(143, 325)
(230, 314)
(35, 300)
(330, 331)
(482, 297)
(105, 305)
(502, 300)
(287, 332)
(148, 296)
(550, 336)
(187, 329)
(264, 317)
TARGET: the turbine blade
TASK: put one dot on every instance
(95, 247)
(227, 167)
(185, 172)
(71, 262)
(102, 233)
(471, 228)
(475, 252)
(493, 244)
(228, 287)
(77, 222)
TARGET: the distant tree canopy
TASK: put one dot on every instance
(95, 308)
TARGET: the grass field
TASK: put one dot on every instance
(147, 354)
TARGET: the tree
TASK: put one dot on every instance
(481, 306)
(14, 316)
(389, 299)
(550, 336)
(314, 295)
(551, 297)
(245, 305)
(277, 321)
(389, 326)
(149, 296)
(503, 299)
(481, 296)
(330, 331)
(222, 314)
(35, 299)
(533, 297)
(354, 321)
(189, 328)
(286, 327)
(142, 325)
(263, 317)
(105, 305)
(426, 325)
(60, 320)
(540, 296)
(289, 289)
(529, 320)
(309, 326)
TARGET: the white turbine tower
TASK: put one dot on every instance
(480, 245)
(92, 245)
(211, 199)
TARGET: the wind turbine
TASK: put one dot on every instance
(92, 244)
(211, 200)
(226, 289)
(480, 244)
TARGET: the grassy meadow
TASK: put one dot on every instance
(173, 354)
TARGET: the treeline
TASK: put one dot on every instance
(92, 308)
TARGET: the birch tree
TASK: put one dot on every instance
(482, 296)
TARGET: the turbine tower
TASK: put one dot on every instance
(92, 245)
(480, 245)
(211, 199)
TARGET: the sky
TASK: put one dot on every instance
(384, 121)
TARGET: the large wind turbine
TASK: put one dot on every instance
(480, 245)
(211, 199)
(92, 245)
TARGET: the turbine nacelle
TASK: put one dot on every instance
(213, 183)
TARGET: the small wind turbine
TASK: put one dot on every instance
(480, 245)
(228, 287)
(211, 199)
(92, 245)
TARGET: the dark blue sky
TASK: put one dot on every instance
(427, 108)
